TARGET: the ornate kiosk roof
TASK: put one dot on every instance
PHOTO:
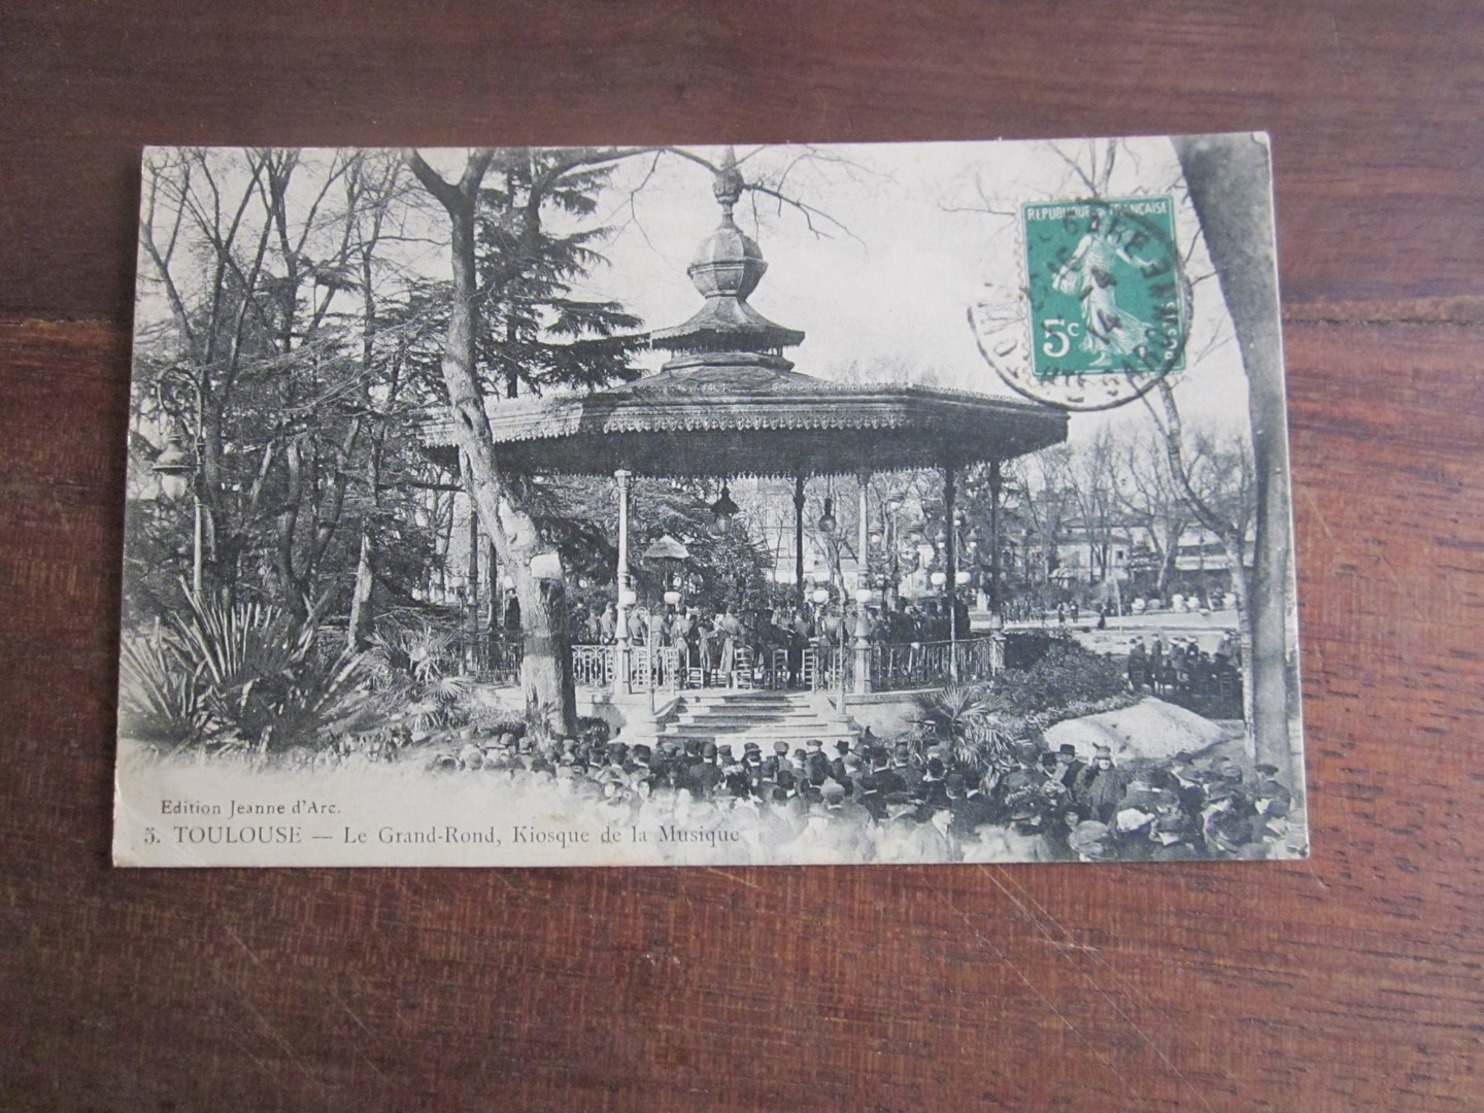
(730, 404)
(747, 420)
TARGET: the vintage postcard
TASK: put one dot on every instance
(709, 506)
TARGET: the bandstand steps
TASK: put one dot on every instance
(721, 723)
(692, 717)
(764, 742)
(737, 717)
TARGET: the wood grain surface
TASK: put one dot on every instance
(1353, 980)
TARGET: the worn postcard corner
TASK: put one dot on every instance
(708, 505)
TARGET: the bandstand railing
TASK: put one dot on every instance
(490, 659)
(893, 667)
(896, 666)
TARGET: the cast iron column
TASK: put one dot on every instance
(622, 680)
(799, 540)
(950, 570)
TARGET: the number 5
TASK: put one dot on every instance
(1057, 343)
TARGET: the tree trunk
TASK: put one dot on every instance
(1229, 178)
(1246, 631)
(546, 667)
(361, 611)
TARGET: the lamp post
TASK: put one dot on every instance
(862, 643)
(626, 595)
(996, 485)
(888, 600)
(179, 471)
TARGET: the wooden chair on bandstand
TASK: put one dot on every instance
(742, 675)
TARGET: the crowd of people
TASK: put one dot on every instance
(1182, 671)
(712, 641)
(918, 799)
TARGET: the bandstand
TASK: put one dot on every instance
(729, 404)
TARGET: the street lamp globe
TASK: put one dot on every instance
(724, 509)
(939, 579)
(173, 468)
(827, 521)
(821, 596)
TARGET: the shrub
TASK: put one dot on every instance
(990, 724)
(594, 730)
(1065, 677)
(235, 675)
(160, 701)
(409, 669)
(494, 721)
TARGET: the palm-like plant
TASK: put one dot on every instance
(242, 674)
(965, 719)
(160, 701)
(948, 713)
(408, 666)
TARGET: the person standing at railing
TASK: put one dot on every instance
(703, 647)
(729, 630)
(799, 634)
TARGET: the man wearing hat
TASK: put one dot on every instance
(705, 774)
(816, 765)
(775, 762)
(887, 779)
(904, 767)
(971, 808)
(1100, 787)
(752, 766)
(871, 798)
(837, 764)
(502, 757)
(1138, 664)
(733, 774)
(1091, 841)
(1068, 767)
(839, 807)
(931, 790)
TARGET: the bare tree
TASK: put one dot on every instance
(248, 251)
(1149, 496)
(546, 669)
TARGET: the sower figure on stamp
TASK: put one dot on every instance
(1109, 331)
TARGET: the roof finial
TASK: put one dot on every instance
(728, 185)
(727, 268)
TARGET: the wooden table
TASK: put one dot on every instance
(1356, 979)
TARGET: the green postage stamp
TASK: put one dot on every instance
(1104, 283)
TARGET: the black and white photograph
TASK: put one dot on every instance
(709, 505)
